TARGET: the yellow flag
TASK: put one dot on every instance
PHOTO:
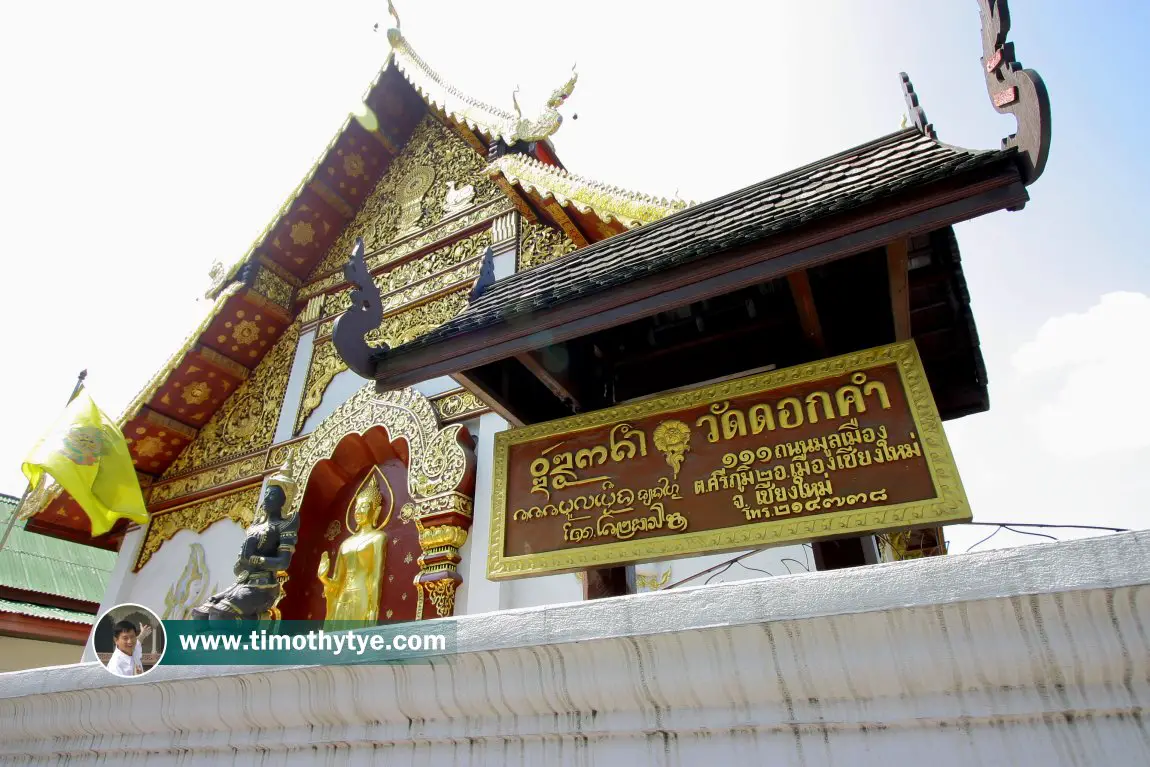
(87, 456)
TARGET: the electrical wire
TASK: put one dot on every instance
(997, 530)
(1038, 524)
(720, 572)
(1024, 532)
(701, 573)
(797, 562)
(756, 569)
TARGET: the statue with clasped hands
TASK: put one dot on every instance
(269, 543)
(352, 591)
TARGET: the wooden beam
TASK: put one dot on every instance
(700, 280)
(896, 265)
(560, 388)
(476, 387)
(333, 198)
(44, 629)
(808, 313)
(59, 601)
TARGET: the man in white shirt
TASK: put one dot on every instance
(124, 659)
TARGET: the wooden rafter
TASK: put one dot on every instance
(566, 223)
(800, 285)
(556, 384)
(896, 264)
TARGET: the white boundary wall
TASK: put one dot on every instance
(1030, 656)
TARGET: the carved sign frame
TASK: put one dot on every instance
(949, 505)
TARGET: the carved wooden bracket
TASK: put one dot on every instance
(364, 315)
(1014, 90)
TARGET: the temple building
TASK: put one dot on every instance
(470, 383)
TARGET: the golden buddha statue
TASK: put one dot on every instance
(352, 591)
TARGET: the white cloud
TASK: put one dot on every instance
(1085, 377)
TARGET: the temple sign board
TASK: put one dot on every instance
(837, 447)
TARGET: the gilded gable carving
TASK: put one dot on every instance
(412, 194)
(539, 243)
(406, 326)
(247, 421)
(326, 364)
(395, 330)
(414, 280)
(198, 517)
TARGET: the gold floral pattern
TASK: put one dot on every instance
(398, 329)
(202, 480)
(230, 432)
(239, 507)
(274, 288)
(539, 243)
(326, 364)
(245, 332)
(457, 405)
(302, 233)
(353, 165)
(442, 594)
(149, 446)
(396, 251)
(196, 393)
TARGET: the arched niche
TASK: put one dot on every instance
(431, 473)
(331, 490)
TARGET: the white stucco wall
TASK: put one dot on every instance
(1034, 656)
(221, 542)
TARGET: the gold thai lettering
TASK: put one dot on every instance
(821, 502)
(558, 471)
(625, 441)
(665, 489)
(609, 498)
(624, 529)
(725, 423)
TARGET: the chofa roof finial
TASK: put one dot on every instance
(1014, 90)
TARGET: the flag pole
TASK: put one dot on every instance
(19, 506)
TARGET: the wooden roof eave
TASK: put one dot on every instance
(944, 204)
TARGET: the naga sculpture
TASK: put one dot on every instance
(268, 546)
(365, 314)
(548, 122)
(352, 591)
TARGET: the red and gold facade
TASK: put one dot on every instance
(416, 178)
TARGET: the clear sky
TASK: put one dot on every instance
(143, 141)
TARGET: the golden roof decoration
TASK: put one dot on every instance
(609, 203)
(491, 121)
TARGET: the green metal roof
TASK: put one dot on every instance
(39, 611)
(46, 565)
